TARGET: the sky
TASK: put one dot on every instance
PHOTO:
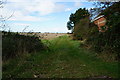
(41, 15)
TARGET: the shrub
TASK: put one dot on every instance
(14, 44)
(108, 41)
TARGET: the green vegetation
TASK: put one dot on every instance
(108, 42)
(75, 18)
(64, 59)
(79, 23)
(81, 29)
(16, 45)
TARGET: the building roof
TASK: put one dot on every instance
(96, 18)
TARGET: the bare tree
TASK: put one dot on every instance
(3, 19)
(2, 2)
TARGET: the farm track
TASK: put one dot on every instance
(64, 59)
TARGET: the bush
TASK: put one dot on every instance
(15, 44)
(108, 41)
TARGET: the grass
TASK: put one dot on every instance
(63, 59)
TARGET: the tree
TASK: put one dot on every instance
(76, 17)
(69, 25)
(108, 41)
(99, 8)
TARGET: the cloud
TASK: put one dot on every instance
(42, 7)
(21, 24)
(50, 0)
(68, 9)
(20, 16)
(52, 30)
(24, 8)
(78, 4)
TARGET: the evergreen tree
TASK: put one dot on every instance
(76, 17)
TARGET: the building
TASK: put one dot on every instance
(100, 21)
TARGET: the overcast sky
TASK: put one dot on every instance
(41, 15)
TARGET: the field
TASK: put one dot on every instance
(65, 58)
(46, 35)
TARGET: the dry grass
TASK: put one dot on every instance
(47, 36)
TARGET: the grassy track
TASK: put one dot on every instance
(64, 59)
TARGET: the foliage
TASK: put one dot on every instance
(80, 14)
(15, 44)
(108, 41)
(81, 29)
(76, 17)
(99, 8)
(69, 25)
(78, 23)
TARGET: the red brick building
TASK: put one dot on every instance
(100, 21)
